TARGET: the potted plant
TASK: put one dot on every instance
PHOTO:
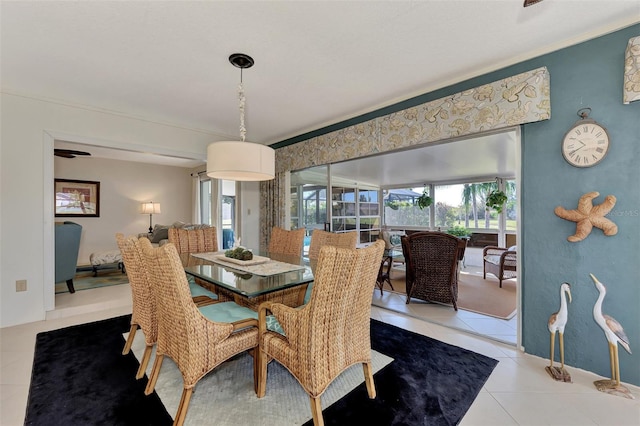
(496, 200)
(424, 200)
(458, 231)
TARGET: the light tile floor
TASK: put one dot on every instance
(498, 329)
(518, 392)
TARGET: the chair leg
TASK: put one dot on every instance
(129, 342)
(70, 286)
(183, 407)
(316, 411)
(155, 372)
(390, 285)
(262, 373)
(368, 378)
(144, 362)
(255, 352)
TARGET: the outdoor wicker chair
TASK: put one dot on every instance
(286, 242)
(331, 332)
(501, 262)
(320, 238)
(196, 339)
(432, 266)
(194, 240)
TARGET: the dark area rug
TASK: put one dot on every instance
(429, 383)
(80, 377)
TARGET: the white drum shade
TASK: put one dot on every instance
(240, 161)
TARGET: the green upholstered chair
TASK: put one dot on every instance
(67, 236)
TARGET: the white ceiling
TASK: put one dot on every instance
(316, 62)
(485, 157)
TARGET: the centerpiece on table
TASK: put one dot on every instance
(239, 253)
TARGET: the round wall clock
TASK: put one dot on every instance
(586, 143)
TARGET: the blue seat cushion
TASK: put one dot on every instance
(198, 290)
(307, 295)
(227, 312)
(274, 325)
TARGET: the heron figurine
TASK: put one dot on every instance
(556, 323)
(615, 334)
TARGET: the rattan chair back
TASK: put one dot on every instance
(196, 344)
(194, 240)
(144, 308)
(332, 331)
(432, 265)
(286, 242)
(320, 238)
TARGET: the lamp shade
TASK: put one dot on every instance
(240, 161)
(150, 208)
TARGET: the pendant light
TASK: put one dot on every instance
(240, 160)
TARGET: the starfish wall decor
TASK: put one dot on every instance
(587, 216)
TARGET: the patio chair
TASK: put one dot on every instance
(432, 266)
(331, 332)
(501, 262)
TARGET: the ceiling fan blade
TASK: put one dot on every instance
(68, 153)
(63, 154)
(530, 2)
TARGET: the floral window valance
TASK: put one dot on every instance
(520, 99)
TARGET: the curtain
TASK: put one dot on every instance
(273, 202)
(196, 217)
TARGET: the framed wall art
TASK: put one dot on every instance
(77, 198)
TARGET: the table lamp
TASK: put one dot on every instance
(150, 208)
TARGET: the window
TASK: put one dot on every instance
(401, 210)
(226, 201)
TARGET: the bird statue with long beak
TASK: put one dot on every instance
(615, 334)
(556, 323)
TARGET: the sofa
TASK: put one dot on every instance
(160, 234)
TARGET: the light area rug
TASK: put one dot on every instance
(225, 396)
(84, 280)
(475, 294)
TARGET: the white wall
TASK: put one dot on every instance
(26, 186)
(123, 186)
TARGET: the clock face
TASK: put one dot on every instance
(585, 144)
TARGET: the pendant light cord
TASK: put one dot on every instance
(243, 129)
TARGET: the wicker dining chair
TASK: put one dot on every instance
(199, 240)
(196, 339)
(432, 266)
(194, 240)
(332, 331)
(144, 312)
(320, 238)
(286, 242)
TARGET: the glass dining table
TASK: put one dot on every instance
(280, 278)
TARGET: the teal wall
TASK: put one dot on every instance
(585, 75)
